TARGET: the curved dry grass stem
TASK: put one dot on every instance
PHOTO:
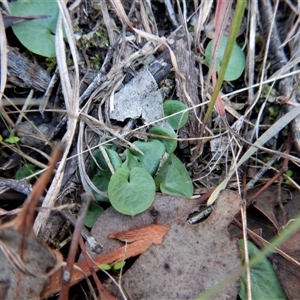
(3, 69)
(3, 58)
(70, 88)
(251, 47)
(246, 252)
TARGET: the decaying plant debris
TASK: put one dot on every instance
(27, 263)
(116, 62)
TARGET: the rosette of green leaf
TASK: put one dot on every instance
(173, 106)
(264, 282)
(37, 35)
(92, 215)
(131, 191)
(236, 63)
(153, 151)
(174, 179)
(101, 171)
(170, 144)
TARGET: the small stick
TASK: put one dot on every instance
(67, 273)
(102, 291)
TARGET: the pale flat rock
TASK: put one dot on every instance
(140, 98)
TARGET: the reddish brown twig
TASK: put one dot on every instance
(67, 273)
(104, 294)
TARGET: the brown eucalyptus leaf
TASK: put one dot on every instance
(292, 207)
(191, 259)
(265, 203)
(287, 272)
(288, 275)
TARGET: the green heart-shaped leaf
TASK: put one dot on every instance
(236, 63)
(169, 144)
(102, 173)
(101, 164)
(131, 192)
(92, 214)
(264, 282)
(152, 152)
(37, 35)
(173, 106)
(101, 182)
(174, 179)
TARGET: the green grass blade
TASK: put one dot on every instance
(236, 22)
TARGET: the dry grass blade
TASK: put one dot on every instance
(3, 57)
(279, 59)
(251, 47)
(108, 22)
(204, 11)
(103, 292)
(272, 131)
(25, 156)
(3, 69)
(246, 253)
(70, 89)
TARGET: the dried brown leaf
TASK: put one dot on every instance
(265, 203)
(164, 210)
(145, 238)
(138, 240)
(287, 272)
